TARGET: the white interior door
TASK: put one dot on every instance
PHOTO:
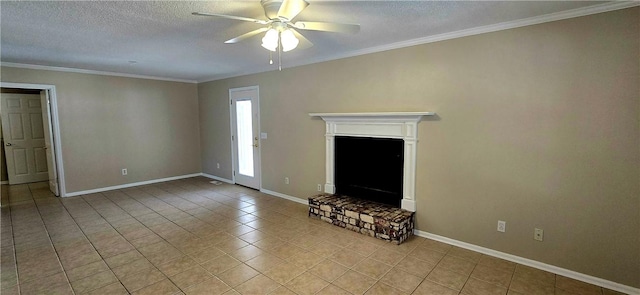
(23, 132)
(245, 135)
(49, 147)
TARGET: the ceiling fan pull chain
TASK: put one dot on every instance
(279, 58)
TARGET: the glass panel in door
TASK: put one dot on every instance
(245, 137)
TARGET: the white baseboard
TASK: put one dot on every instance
(262, 190)
(532, 263)
(217, 178)
(110, 188)
(279, 195)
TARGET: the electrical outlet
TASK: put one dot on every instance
(319, 187)
(537, 234)
(286, 180)
(502, 226)
(218, 165)
(124, 171)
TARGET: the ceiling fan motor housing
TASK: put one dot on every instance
(271, 8)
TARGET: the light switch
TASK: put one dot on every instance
(263, 135)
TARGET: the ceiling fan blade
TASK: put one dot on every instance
(246, 36)
(304, 42)
(290, 8)
(327, 27)
(253, 20)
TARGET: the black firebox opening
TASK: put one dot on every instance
(369, 168)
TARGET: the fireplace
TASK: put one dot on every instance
(402, 126)
(369, 168)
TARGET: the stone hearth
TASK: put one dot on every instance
(374, 219)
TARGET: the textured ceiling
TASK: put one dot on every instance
(166, 41)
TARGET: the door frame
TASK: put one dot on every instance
(55, 126)
(231, 124)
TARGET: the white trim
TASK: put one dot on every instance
(578, 12)
(233, 148)
(115, 187)
(217, 178)
(408, 205)
(57, 140)
(384, 115)
(90, 72)
(55, 125)
(279, 195)
(399, 125)
(532, 263)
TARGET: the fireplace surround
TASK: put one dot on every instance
(394, 125)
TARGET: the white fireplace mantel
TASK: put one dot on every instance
(401, 125)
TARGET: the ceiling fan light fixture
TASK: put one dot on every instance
(289, 40)
(270, 40)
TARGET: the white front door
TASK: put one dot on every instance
(24, 133)
(49, 147)
(245, 135)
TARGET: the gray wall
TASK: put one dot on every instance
(108, 123)
(538, 126)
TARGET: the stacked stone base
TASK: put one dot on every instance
(374, 219)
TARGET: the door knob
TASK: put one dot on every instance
(255, 145)
(8, 144)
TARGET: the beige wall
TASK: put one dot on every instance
(3, 163)
(109, 123)
(538, 126)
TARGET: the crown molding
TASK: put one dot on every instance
(551, 17)
(584, 11)
(556, 16)
(91, 72)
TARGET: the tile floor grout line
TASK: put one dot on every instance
(135, 248)
(50, 240)
(434, 267)
(468, 277)
(90, 243)
(513, 273)
(382, 276)
(474, 268)
(13, 243)
(267, 212)
(155, 197)
(155, 211)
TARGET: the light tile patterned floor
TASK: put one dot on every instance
(192, 237)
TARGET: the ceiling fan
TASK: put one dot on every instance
(281, 30)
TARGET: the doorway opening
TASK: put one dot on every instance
(31, 135)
